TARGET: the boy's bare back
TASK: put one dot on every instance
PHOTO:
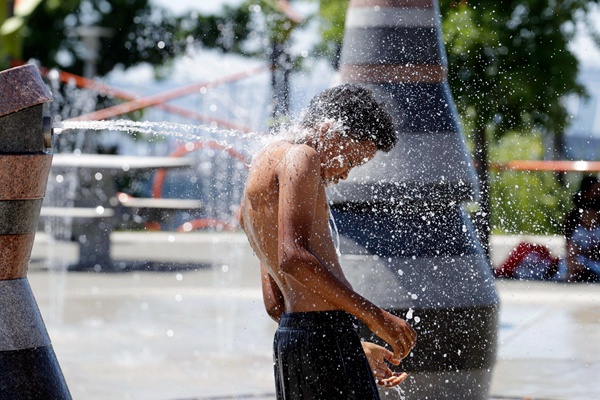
(289, 176)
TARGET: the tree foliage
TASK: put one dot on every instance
(142, 32)
(510, 66)
(249, 29)
(138, 32)
(332, 16)
(228, 31)
(525, 202)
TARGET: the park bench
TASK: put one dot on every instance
(151, 211)
(93, 238)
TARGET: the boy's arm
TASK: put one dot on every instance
(299, 184)
(272, 296)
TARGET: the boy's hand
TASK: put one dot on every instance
(377, 355)
(398, 334)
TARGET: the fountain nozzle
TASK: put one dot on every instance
(48, 132)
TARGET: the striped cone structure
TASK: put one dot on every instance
(28, 366)
(405, 239)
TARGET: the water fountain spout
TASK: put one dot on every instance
(28, 366)
(48, 132)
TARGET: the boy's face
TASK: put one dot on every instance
(341, 154)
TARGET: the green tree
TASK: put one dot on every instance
(13, 18)
(227, 31)
(256, 28)
(5, 35)
(331, 17)
(134, 32)
(525, 202)
(248, 29)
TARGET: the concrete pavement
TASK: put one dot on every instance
(549, 342)
(183, 334)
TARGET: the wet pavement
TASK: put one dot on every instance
(184, 334)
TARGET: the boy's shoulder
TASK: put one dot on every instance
(286, 153)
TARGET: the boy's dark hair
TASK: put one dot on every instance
(356, 108)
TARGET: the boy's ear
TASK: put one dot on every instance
(324, 128)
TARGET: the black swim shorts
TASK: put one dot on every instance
(318, 356)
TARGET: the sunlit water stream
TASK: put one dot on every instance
(215, 177)
(172, 129)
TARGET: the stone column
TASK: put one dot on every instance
(29, 369)
(406, 241)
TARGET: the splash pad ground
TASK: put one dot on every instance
(184, 335)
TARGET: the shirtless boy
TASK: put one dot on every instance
(317, 351)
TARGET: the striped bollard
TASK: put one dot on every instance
(406, 241)
(29, 369)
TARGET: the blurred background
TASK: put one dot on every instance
(210, 81)
(524, 75)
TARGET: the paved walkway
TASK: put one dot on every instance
(184, 335)
(549, 344)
